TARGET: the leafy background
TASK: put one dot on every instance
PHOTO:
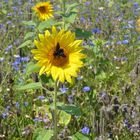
(104, 102)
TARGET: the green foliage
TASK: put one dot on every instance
(36, 85)
(79, 136)
(42, 134)
(71, 109)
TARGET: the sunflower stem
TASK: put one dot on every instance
(55, 110)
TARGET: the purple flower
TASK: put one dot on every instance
(82, 19)
(41, 97)
(87, 3)
(63, 89)
(25, 103)
(85, 130)
(4, 115)
(125, 42)
(86, 89)
(8, 48)
(135, 5)
(24, 59)
(96, 31)
(17, 104)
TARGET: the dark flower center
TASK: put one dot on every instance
(58, 51)
(42, 9)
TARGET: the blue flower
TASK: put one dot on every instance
(63, 89)
(86, 89)
(8, 48)
(4, 115)
(125, 42)
(96, 31)
(17, 104)
(82, 19)
(135, 5)
(41, 97)
(87, 3)
(85, 130)
(25, 103)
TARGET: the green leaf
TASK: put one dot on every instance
(42, 134)
(36, 85)
(29, 35)
(64, 118)
(4, 11)
(45, 24)
(82, 33)
(70, 109)
(31, 67)
(45, 78)
(25, 44)
(79, 136)
(29, 23)
(70, 18)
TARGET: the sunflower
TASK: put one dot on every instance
(44, 10)
(58, 54)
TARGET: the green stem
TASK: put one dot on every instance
(55, 111)
(64, 12)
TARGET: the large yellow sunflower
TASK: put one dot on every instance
(44, 10)
(59, 54)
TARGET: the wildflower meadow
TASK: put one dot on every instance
(69, 70)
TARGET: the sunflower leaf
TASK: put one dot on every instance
(25, 44)
(71, 109)
(31, 67)
(45, 24)
(79, 136)
(29, 35)
(42, 134)
(29, 23)
(36, 85)
(82, 33)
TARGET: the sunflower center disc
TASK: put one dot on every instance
(42, 9)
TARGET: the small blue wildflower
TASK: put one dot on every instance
(63, 89)
(125, 42)
(8, 22)
(9, 14)
(37, 119)
(17, 104)
(82, 19)
(87, 3)
(119, 43)
(126, 123)
(8, 108)
(25, 103)
(86, 89)
(20, 13)
(96, 31)
(85, 130)
(24, 59)
(135, 5)
(15, 8)
(8, 48)
(4, 115)
(41, 97)
(126, 36)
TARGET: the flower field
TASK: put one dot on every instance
(70, 70)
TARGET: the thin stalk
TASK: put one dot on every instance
(55, 111)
